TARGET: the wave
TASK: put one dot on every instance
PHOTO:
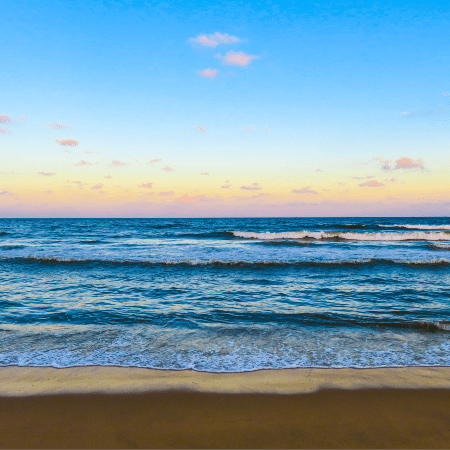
(11, 247)
(439, 246)
(296, 243)
(347, 236)
(419, 227)
(348, 226)
(93, 241)
(129, 316)
(226, 263)
(213, 234)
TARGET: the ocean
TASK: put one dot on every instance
(225, 295)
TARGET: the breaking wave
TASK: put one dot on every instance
(336, 235)
(419, 227)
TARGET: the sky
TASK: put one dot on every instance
(224, 109)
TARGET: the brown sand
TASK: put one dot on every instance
(98, 407)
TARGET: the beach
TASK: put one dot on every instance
(116, 407)
(225, 333)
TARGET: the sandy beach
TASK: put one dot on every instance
(111, 407)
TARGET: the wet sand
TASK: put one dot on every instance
(98, 407)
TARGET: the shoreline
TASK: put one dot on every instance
(26, 381)
(111, 407)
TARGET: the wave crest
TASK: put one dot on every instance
(225, 263)
(348, 236)
(419, 227)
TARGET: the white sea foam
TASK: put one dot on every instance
(440, 246)
(320, 235)
(420, 227)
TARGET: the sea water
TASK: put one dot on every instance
(225, 295)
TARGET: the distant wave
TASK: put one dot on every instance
(444, 247)
(11, 247)
(93, 241)
(2, 233)
(419, 227)
(349, 226)
(224, 263)
(284, 243)
(336, 235)
(213, 234)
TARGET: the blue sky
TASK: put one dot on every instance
(331, 85)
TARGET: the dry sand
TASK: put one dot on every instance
(111, 407)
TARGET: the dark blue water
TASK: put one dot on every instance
(225, 294)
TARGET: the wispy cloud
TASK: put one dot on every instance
(6, 193)
(146, 185)
(445, 94)
(241, 59)
(166, 193)
(48, 192)
(7, 119)
(153, 161)
(408, 163)
(3, 131)
(208, 73)
(205, 173)
(188, 199)
(252, 187)
(319, 170)
(437, 111)
(305, 190)
(108, 177)
(391, 180)
(200, 128)
(372, 183)
(78, 183)
(227, 185)
(116, 163)
(168, 169)
(58, 126)
(97, 186)
(66, 151)
(249, 128)
(342, 184)
(67, 142)
(385, 163)
(267, 129)
(88, 152)
(47, 174)
(83, 163)
(259, 196)
(213, 40)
